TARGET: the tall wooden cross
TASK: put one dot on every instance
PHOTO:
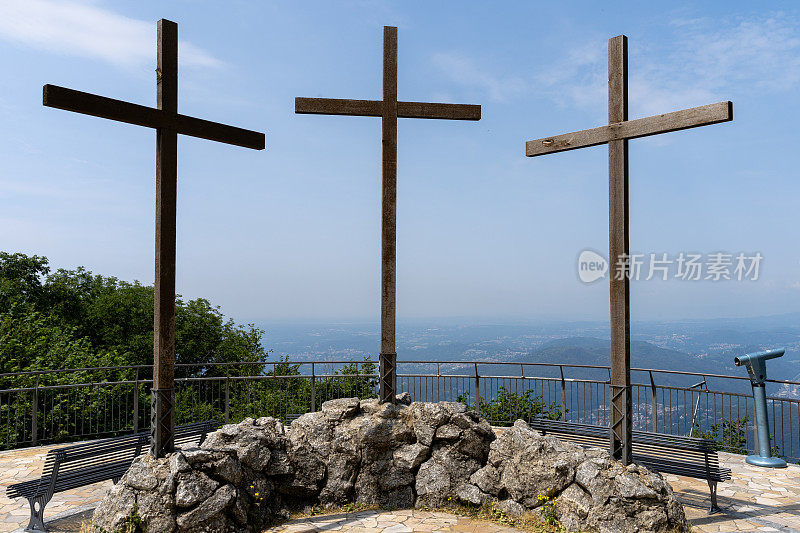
(616, 135)
(168, 123)
(389, 109)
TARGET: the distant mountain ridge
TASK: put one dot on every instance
(594, 351)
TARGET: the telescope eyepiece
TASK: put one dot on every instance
(737, 361)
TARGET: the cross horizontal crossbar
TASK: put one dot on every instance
(100, 106)
(632, 129)
(374, 108)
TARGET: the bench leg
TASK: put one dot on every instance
(712, 487)
(36, 523)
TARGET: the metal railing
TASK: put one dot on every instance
(39, 407)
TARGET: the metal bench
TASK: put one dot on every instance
(91, 462)
(670, 454)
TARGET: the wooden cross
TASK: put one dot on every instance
(616, 135)
(389, 109)
(168, 123)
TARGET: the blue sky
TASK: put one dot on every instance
(483, 232)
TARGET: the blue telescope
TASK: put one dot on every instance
(757, 368)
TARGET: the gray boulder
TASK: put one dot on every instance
(591, 491)
(394, 455)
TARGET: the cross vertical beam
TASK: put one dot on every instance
(163, 394)
(164, 118)
(616, 134)
(388, 355)
(389, 109)
(618, 245)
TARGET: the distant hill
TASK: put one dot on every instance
(594, 351)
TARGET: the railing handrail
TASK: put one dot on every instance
(417, 362)
(599, 367)
(376, 375)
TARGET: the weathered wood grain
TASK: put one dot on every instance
(388, 355)
(618, 245)
(139, 115)
(166, 201)
(338, 106)
(100, 106)
(438, 111)
(221, 133)
(642, 127)
(374, 108)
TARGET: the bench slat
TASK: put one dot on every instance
(680, 455)
(90, 462)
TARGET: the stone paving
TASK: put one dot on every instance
(755, 499)
(389, 522)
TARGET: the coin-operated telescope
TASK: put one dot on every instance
(757, 368)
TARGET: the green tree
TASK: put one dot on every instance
(75, 318)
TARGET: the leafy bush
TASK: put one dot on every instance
(505, 408)
(727, 435)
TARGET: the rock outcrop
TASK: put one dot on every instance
(403, 455)
(592, 492)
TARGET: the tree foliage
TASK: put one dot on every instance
(74, 319)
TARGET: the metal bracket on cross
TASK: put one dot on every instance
(162, 422)
(388, 378)
(621, 425)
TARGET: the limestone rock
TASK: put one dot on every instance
(193, 488)
(116, 508)
(341, 408)
(209, 510)
(140, 476)
(393, 455)
(411, 456)
(511, 508)
(592, 491)
(404, 398)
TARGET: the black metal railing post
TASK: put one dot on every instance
(477, 388)
(653, 403)
(35, 413)
(313, 389)
(227, 398)
(136, 402)
(563, 394)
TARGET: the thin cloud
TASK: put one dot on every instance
(464, 71)
(86, 30)
(701, 62)
(697, 62)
